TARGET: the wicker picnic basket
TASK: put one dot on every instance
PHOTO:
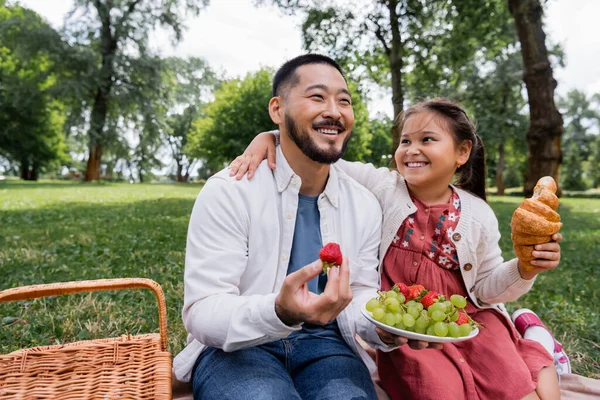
(127, 367)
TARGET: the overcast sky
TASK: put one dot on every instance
(237, 37)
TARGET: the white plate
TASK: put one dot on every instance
(417, 336)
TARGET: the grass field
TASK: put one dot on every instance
(51, 232)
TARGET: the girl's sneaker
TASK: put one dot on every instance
(524, 319)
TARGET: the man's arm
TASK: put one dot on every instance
(216, 257)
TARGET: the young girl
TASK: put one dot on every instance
(445, 237)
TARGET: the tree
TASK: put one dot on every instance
(381, 142)
(384, 41)
(546, 124)
(492, 93)
(582, 125)
(118, 32)
(31, 121)
(230, 122)
(190, 83)
(594, 162)
(239, 112)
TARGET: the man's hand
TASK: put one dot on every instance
(393, 340)
(547, 257)
(296, 304)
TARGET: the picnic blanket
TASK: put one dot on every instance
(572, 387)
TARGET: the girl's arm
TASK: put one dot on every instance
(263, 147)
(260, 148)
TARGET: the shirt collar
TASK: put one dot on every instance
(284, 175)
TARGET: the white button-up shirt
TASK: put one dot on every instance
(239, 242)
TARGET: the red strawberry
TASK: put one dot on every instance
(331, 255)
(462, 318)
(414, 291)
(429, 299)
(403, 289)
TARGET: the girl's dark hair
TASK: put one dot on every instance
(471, 175)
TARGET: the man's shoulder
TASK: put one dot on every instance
(354, 189)
(222, 187)
(262, 174)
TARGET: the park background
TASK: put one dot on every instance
(114, 113)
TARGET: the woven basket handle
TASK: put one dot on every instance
(57, 289)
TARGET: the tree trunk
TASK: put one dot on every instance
(24, 170)
(179, 171)
(546, 124)
(500, 170)
(108, 49)
(92, 172)
(395, 56)
(29, 172)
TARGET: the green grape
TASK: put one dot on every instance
(438, 316)
(465, 329)
(453, 329)
(408, 320)
(401, 298)
(454, 317)
(392, 303)
(378, 314)
(439, 306)
(441, 329)
(400, 324)
(422, 322)
(458, 300)
(410, 328)
(372, 304)
(411, 303)
(391, 294)
(390, 319)
(413, 311)
(430, 330)
(424, 313)
(420, 330)
(398, 316)
(419, 306)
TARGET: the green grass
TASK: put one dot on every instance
(52, 232)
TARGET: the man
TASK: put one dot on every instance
(264, 322)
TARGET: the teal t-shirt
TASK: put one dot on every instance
(305, 249)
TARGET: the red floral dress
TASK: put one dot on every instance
(496, 364)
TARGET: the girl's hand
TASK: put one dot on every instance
(261, 147)
(393, 340)
(547, 257)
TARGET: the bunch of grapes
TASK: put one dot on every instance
(415, 309)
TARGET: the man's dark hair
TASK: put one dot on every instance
(286, 77)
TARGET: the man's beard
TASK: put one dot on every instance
(307, 145)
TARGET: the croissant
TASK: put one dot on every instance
(535, 221)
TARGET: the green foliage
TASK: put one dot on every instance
(581, 161)
(237, 114)
(240, 111)
(571, 177)
(594, 162)
(31, 121)
(381, 142)
(62, 232)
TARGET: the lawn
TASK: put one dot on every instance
(51, 232)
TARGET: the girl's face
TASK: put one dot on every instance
(428, 156)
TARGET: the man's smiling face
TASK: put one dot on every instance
(318, 112)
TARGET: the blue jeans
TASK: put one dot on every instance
(299, 367)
